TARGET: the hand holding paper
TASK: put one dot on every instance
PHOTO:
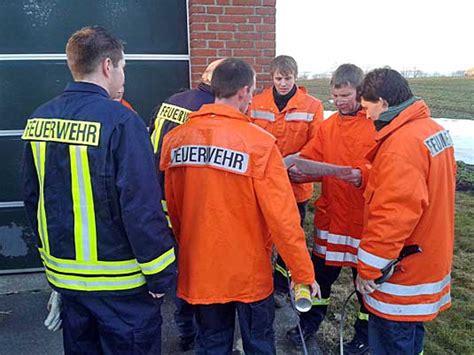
(317, 169)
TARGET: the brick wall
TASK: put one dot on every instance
(232, 28)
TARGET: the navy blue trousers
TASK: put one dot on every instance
(215, 323)
(184, 318)
(112, 325)
(388, 337)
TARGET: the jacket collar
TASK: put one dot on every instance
(86, 87)
(296, 101)
(219, 110)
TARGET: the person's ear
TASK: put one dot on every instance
(243, 92)
(384, 103)
(106, 66)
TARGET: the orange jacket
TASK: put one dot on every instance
(410, 200)
(127, 104)
(339, 211)
(293, 127)
(227, 192)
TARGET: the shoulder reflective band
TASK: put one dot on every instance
(62, 131)
(299, 116)
(321, 301)
(95, 283)
(263, 115)
(208, 155)
(158, 264)
(85, 234)
(438, 142)
(39, 155)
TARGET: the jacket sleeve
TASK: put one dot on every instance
(140, 201)
(278, 205)
(318, 118)
(394, 206)
(30, 189)
(314, 149)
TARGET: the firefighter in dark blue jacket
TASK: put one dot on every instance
(167, 116)
(104, 239)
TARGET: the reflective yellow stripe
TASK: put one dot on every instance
(85, 235)
(363, 316)
(39, 155)
(281, 270)
(165, 209)
(159, 122)
(320, 301)
(422, 352)
(158, 264)
(95, 283)
(89, 268)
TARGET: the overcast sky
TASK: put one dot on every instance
(432, 36)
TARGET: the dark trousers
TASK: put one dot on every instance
(280, 281)
(326, 276)
(388, 337)
(215, 323)
(112, 325)
(184, 318)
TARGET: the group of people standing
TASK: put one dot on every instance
(219, 176)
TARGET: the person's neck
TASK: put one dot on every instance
(94, 80)
(231, 101)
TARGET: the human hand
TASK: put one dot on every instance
(53, 321)
(315, 290)
(297, 176)
(354, 177)
(365, 286)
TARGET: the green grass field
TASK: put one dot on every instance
(446, 97)
(452, 332)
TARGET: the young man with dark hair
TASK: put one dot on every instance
(103, 237)
(226, 189)
(409, 201)
(166, 117)
(292, 117)
(343, 139)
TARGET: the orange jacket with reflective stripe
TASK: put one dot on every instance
(293, 127)
(227, 192)
(410, 200)
(339, 211)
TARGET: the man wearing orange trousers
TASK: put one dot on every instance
(229, 199)
(292, 117)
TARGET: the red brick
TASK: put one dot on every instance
(216, 44)
(269, 2)
(246, 28)
(268, 19)
(255, 19)
(197, 27)
(241, 10)
(265, 44)
(240, 44)
(197, 9)
(247, 52)
(221, 27)
(204, 18)
(264, 60)
(198, 43)
(225, 35)
(216, 10)
(224, 2)
(269, 53)
(203, 35)
(247, 36)
(197, 60)
(265, 28)
(204, 52)
(247, 2)
(266, 10)
(269, 36)
(201, 2)
(221, 53)
(232, 19)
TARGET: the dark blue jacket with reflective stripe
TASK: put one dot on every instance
(162, 121)
(92, 196)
